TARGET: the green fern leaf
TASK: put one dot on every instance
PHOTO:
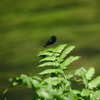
(53, 80)
(52, 58)
(85, 92)
(68, 61)
(49, 64)
(14, 83)
(50, 71)
(36, 78)
(95, 95)
(5, 90)
(29, 82)
(44, 53)
(90, 73)
(26, 80)
(49, 49)
(80, 72)
(35, 83)
(60, 48)
(65, 52)
(94, 83)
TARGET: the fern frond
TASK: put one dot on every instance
(52, 58)
(49, 64)
(44, 53)
(81, 71)
(60, 48)
(68, 61)
(53, 80)
(94, 83)
(65, 52)
(90, 73)
(29, 82)
(95, 95)
(49, 49)
(48, 71)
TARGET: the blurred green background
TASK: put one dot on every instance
(25, 25)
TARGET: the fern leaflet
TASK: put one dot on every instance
(54, 80)
(65, 52)
(49, 64)
(52, 58)
(90, 73)
(68, 61)
(60, 48)
(44, 53)
(95, 95)
(94, 83)
(50, 71)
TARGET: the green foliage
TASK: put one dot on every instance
(94, 83)
(58, 85)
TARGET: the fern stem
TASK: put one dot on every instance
(85, 81)
(64, 75)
